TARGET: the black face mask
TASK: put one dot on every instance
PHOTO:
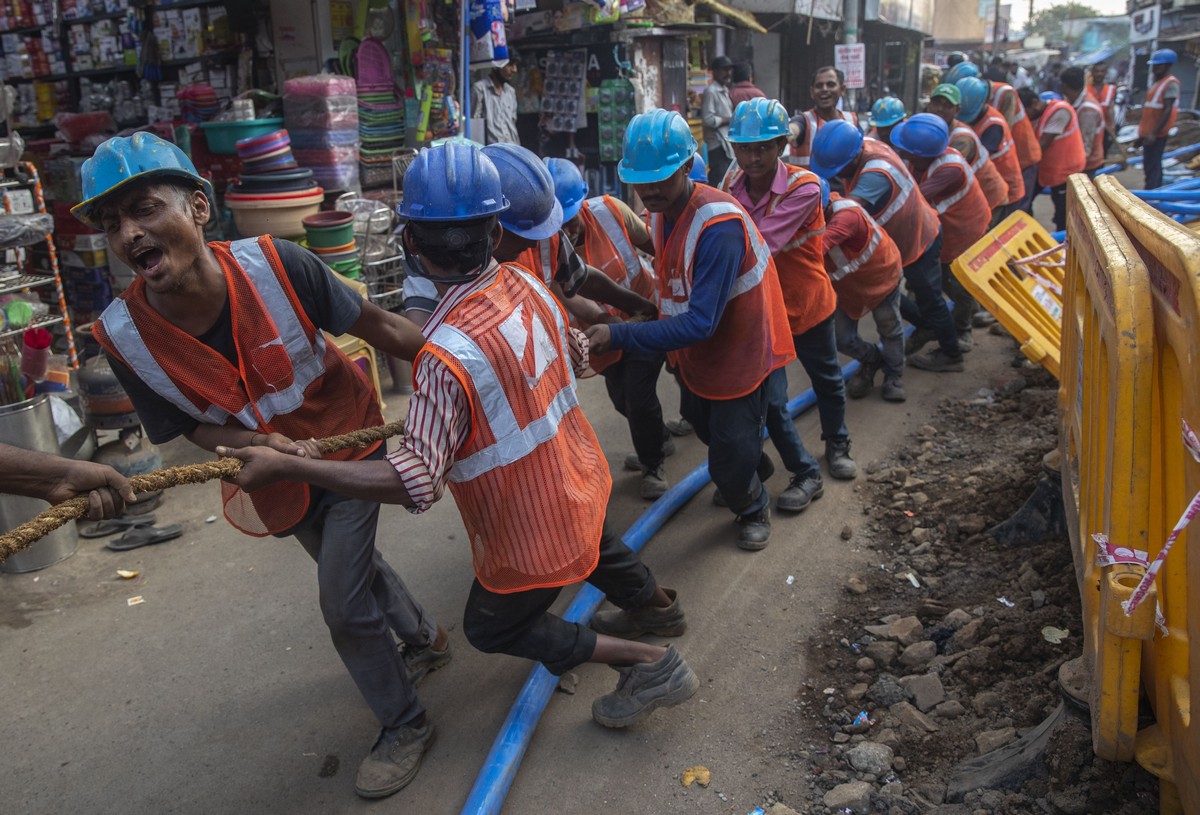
(460, 238)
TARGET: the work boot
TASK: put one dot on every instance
(420, 661)
(937, 361)
(654, 483)
(680, 427)
(918, 340)
(394, 760)
(965, 341)
(982, 319)
(765, 469)
(893, 390)
(754, 530)
(837, 456)
(644, 687)
(632, 462)
(861, 382)
(802, 491)
(629, 624)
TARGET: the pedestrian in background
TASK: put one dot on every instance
(716, 111)
(496, 99)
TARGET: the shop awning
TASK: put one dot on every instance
(1092, 57)
(821, 9)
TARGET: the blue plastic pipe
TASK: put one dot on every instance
(1168, 194)
(1137, 160)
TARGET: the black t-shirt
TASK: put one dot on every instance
(330, 306)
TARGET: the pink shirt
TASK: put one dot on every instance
(791, 213)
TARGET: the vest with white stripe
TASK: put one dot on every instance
(864, 279)
(964, 212)
(908, 218)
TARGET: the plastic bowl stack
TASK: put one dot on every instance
(266, 154)
(330, 235)
(198, 102)
(321, 114)
(272, 196)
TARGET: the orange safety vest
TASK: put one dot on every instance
(908, 218)
(1029, 150)
(994, 187)
(1154, 104)
(864, 278)
(288, 379)
(800, 152)
(752, 338)
(963, 211)
(1094, 152)
(807, 293)
(1065, 154)
(1106, 97)
(1005, 158)
(531, 481)
(607, 247)
(540, 259)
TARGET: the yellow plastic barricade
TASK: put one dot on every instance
(1104, 437)
(1171, 252)
(1015, 272)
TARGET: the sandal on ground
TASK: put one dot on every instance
(144, 536)
(111, 526)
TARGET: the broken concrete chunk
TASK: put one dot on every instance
(854, 796)
(870, 757)
(926, 689)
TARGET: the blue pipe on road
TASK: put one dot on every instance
(1137, 160)
(1167, 194)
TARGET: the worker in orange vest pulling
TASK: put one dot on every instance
(1158, 115)
(1057, 129)
(946, 103)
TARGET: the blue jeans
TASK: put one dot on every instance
(816, 349)
(632, 384)
(924, 279)
(1152, 158)
(782, 429)
(732, 429)
(891, 332)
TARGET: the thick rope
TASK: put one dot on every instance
(43, 524)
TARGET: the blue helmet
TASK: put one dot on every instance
(1050, 96)
(887, 111)
(835, 145)
(699, 171)
(123, 159)
(657, 144)
(924, 135)
(569, 187)
(451, 182)
(757, 120)
(975, 94)
(1163, 56)
(960, 71)
(535, 213)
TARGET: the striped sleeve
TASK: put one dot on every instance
(438, 424)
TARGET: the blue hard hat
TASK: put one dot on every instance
(924, 135)
(887, 111)
(835, 145)
(960, 71)
(451, 182)
(824, 193)
(758, 120)
(975, 94)
(123, 159)
(699, 171)
(657, 144)
(1163, 56)
(535, 213)
(1050, 96)
(569, 187)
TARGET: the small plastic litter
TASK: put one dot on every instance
(757, 811)
(791, 579)
(125, 574)
(1054, 635)
(912, 578)
(856, 648)
(1004, 601)
(135, 601)
(211, 519)
(861, 718)
(696, 775)
(830, 691)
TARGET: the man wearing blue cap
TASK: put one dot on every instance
(1158, 115)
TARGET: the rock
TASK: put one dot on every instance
(1038, 597)
(567, 683)
(906, 630)
(971, 524)
(856, 585)
(926, 690)
(1006, 384)
(892, 790)
(886, 691)
(921, 534)
(985, 702)
(780, 809)
(990, 740)
(932, 792)
(884, 653)
(856, 692)
(888, 736)
(967, 636)
(950, 709)
(918, 655)
(882, 632)
(865, 664)
(847, 532)
(899, 764)
(928, 431)
(919, 498)
(854, 796)
(957, 618)
(841, 738)
(910, 717)
(870, 757)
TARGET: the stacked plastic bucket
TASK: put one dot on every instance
(330, 235)
(272, 194)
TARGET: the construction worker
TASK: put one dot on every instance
(1063, 154)
(996, 138)
(949, 185)
(495, 417)
(955, 58)
(722, 319)
(1158, 115)
(828, 87)
(608, 235)
(946, 103)
(222, 343)
(864, 264)
(1090, 116)
(785, 203)
(875, 177)
(716, 109)
(886, 113)
(56, 479)
(1106, 95)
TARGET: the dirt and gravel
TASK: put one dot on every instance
(951, 646)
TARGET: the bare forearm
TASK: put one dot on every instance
(28, 472)
(368, 480)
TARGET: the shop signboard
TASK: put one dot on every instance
(1143, 24)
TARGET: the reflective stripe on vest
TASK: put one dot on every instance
(308, 362)
(1052, 107)
(706, 213)
(1001, 89)
(903, 182)
(1154, 99)
(547, 261)
(943, 160)
(1005, 144)
(846, 266)
(981, 153)
(812, 125)
(616, 234)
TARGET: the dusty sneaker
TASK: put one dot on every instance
(754, 530)
(893, 390)
(937, 361)
(965, 341)
(642, 688)
(629, 624)
(654, 483)
(394, 760)
(633, 463)
(982, 319)
(861, 381)
(680, 427)
(837, 456)
(802, 491)
(918, 340)
(420, 661)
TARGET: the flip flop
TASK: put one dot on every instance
(111, 526)
(144, 536)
